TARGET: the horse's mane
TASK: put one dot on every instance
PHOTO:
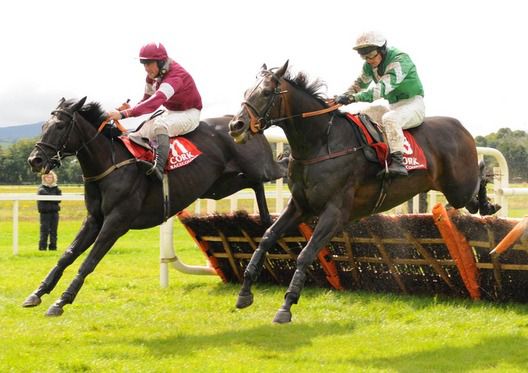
(92, 112)
(302, 82)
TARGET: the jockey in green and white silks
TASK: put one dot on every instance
(391, 75)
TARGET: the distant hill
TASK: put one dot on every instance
(11, 134)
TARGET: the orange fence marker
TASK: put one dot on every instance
(203, 246)
(511, 237)
(328, 265)
(459, 249)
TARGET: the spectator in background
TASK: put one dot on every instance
(49, 212)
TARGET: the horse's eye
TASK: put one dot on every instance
(266, 92)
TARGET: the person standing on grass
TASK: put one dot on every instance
(49, 212)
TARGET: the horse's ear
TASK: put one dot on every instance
(79, 104)
(61, 102)
(280, 72)
(264, 67)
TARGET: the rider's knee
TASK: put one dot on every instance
(160, 128)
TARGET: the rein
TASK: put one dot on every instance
(114, 167)
(116, 122)
(307, 114)
(260, 119)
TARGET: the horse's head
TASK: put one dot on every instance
(55, 141)
(260, 104)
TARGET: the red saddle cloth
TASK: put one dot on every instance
(181, 152)
(413, 155)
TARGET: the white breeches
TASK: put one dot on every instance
(173, 123)
(396, 117)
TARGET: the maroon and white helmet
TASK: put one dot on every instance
(153, 52)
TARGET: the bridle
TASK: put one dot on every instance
(59, 150)
(260, 120)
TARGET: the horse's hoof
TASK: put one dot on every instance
(282, 317)
(32, 301)
(489, 209)
(244, 301)
(54, 311)
(472, 206)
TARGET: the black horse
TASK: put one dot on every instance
(331, 180)
(118, 195)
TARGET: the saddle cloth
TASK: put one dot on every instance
(377, 151)
(181, 151)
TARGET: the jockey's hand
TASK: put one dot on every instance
(114, 115)
(124, 106)
(343, 99)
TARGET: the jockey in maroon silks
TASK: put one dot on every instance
(168, 85)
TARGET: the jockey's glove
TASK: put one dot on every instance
(344, 99)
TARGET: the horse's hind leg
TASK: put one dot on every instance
(231, 183)
(481, 202)
(260, 195)
(485, 206)
(85, 237)
(288, 217)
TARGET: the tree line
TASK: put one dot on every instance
(514, 146)
(14, 169)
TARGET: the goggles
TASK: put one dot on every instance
(371, 55)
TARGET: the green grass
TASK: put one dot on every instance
(122, 321)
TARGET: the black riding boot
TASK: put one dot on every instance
(162, 153)
(396, 167)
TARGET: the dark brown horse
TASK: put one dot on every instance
(123, 198)
(330, 180)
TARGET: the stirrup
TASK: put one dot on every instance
(153, 168)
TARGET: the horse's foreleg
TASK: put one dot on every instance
(104, 242)
(329, 223)
(85, 237)
(288, 217)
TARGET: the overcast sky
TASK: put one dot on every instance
(470, 55)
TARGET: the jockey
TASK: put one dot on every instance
(394, 79)
(168, 85)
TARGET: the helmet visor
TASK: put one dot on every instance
(144, 61)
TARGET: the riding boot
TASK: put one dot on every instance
(396, 168)
(162, 153)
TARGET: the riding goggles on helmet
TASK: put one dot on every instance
(369, 55)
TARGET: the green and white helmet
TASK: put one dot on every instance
(370, 40)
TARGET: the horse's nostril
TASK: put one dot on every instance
(238, 125)
(35, 163)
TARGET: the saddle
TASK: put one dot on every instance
(369, 134)
(181, 150)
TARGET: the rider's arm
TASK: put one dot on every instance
(164, 93)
